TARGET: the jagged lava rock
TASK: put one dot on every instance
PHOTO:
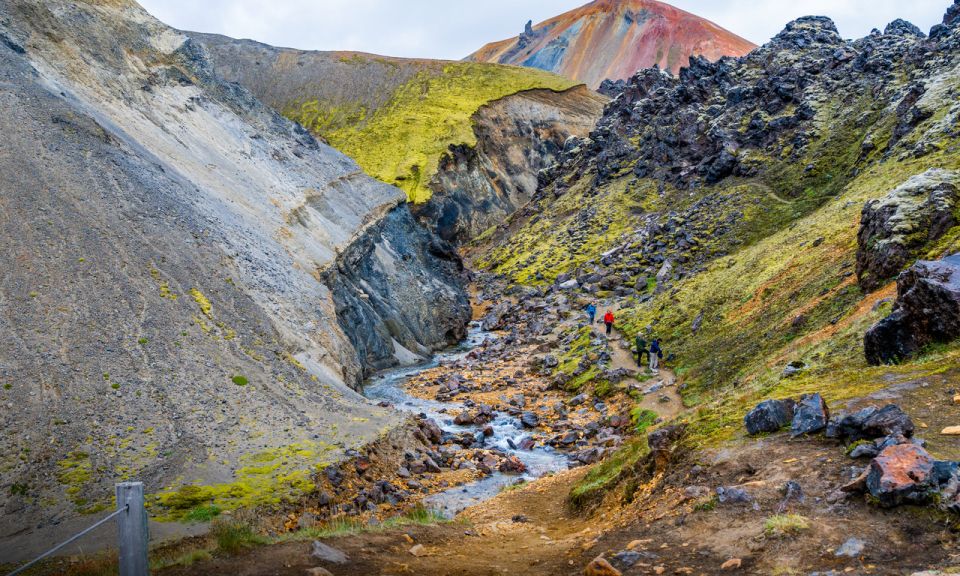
(895, 228)
(769, 416)
(902, 474)
(927, 310)
(811, 415)
(869, 423)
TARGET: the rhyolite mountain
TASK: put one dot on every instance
(192, 283)
(465, 140)
(613, 39)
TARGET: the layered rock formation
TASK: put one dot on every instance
(477, 187)
(613, 39)
(192, 283)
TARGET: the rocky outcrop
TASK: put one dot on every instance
(927, 310)
(398, 261)
(896, 228)
(171, 301)
(517, 136)
(612, 39)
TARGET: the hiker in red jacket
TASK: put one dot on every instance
(608, 320)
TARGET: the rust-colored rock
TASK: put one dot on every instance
(600, 567)
(902, 474)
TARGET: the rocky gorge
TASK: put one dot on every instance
(207, 296)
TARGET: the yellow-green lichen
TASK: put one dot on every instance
(401, 143)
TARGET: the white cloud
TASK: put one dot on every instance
(454, 28)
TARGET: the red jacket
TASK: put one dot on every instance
(608, 318)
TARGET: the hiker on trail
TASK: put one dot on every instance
(641, 343)
(608, 320)
(656, 353)
(592, 313)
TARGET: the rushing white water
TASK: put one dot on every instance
(389, 387)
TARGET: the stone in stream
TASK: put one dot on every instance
(810, 415)
(530, 420)
(769, 416)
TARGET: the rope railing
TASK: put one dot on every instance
(132, 528)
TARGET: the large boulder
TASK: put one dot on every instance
(810, 415)
(894, 229)
(927, 311)
(902, 474)
(769, 416)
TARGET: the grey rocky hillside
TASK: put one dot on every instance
(476, 187)
(189, 279)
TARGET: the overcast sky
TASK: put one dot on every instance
(454, 28)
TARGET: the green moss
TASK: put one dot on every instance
(267, 478)
(402, 142)
(609, 473)
(205, 306)
(202, 513)
(537, 254)
(642, 419)
(75, 472)
(240, 380)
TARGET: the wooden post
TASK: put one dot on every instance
(132, 526)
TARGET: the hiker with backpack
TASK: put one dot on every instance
(592, 313)
(641, 344)
(656, 353)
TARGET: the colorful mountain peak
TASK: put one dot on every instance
(612, 39)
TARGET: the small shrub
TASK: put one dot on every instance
(142, 341)
(707, 505)
(115, 386)
(7, 386)
(240, 380)
(785, 525)
(234, 536)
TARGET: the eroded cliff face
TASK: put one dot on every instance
(177, 265)
(517, 137)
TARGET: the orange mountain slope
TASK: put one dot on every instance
(613, 39)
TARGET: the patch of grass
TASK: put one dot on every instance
(203, 302)
(203, 513)
(240, 380)
(609, 472)
(143, 341)
(7, 386)
(417, 516)
(707, 505)
(183, 560)
(233, 536)
(783, 525)
(642, 419)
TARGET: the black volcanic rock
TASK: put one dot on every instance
(927, 310)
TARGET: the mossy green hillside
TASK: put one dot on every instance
(265, 479)
(402, 142)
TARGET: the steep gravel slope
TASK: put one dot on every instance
(183, 273)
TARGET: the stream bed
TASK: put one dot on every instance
(507, 430)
